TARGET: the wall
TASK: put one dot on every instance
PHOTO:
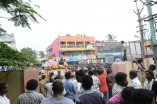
(55, 47)
(16, 84)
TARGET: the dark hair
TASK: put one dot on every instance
(153, 67)
(120, 76)
(50, 79)
(67, 75)
(32, 84)
(122, 41)
(100, 71)
(143, 96)
(2, 86)
(127, 94)
(43, 77)
(57, 77)
(80, 73)
(91, 72)
(151, 74)
(87, 82)
(51, 74)
(133, 73)
(57, 87)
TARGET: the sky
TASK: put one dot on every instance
(91, 17)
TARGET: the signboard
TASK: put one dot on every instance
(74, 58)
(109, 48)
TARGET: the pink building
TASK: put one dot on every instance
(64, 46)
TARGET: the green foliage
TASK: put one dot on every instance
(111, 37)
(31, 55)
(41, 53)
(12, 58)
(21, 12)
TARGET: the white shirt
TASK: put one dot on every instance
(96, 83)
(116, 89)
(4, 100)
(148, 85)
(136, 83)
(48, 87)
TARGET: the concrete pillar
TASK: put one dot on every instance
(30, 73)
(118, 66)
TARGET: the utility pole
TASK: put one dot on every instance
(138, 12)
(152, 29)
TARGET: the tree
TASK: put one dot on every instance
(31, 54)
(111, 37)
(41, 54)
(11, 58)
(21, 11)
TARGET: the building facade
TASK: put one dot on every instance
(73, 47)
(109, 50)
(8, 39)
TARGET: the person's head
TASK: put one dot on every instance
(3, 88)
(122, 42)
(57, 77)
(72, 76)
(121, 79)
(67, 75)
(32, 84)
(87, 82)
(51, 80)
(127, 95)
(79, 75)
(59, 72)
(149, 75)
(43, 77)
(57, 87)
(100, 71)
(152, 67)
(91, 72)
(143, 96)
(51, 74)
(133, 74)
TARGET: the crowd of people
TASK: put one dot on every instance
(95, 84)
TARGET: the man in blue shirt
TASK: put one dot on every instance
(90, 96)
(69, 86)
(57, 97)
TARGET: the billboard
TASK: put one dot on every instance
(109, 47)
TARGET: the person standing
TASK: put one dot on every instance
(31, 96)
(89, 96)
(48, 88)
(135, 81)
(103, 87)
(69, 86)
(96, 81)
(121, 83)
(149, 80)
(42, 83)
(57, 97)
(3, 91)
(110, 81)
(124, 50)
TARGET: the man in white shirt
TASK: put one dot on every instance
(121, 83)
(96, 81)
(3, 91)
(135, 81)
